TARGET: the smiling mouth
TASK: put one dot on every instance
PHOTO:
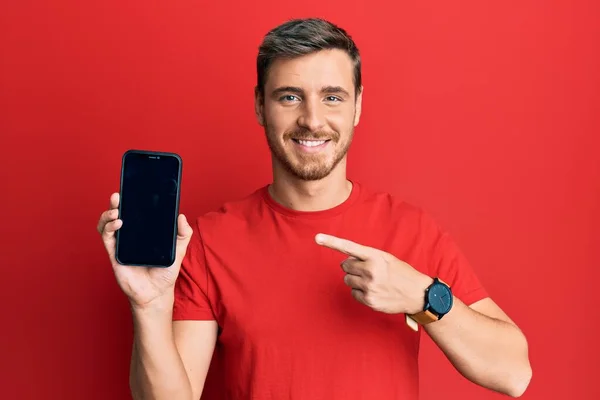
(311, 143)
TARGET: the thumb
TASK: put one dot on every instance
(184, 234)
(184, 230)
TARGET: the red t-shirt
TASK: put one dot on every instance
(289, 327)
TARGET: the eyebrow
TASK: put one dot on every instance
(297, 90)
(334, 90)
(287, 89)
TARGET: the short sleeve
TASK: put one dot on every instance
(192, 285)
(449, 264)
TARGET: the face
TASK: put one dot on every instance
(309, 112)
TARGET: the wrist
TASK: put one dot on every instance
(153, 320)
(417, 303)
(438, 302)
(159, 306)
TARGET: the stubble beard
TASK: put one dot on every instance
(308, 167)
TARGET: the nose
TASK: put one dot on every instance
(312, 117)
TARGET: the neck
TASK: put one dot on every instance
(302, 195)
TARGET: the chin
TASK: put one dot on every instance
(306, 167)
(312, 176)
(310, 170)
(308, 174)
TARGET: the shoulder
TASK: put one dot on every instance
(396, 210)
(235, 211)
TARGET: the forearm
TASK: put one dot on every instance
(157, 371)
(487, 351)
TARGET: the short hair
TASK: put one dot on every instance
(300, 37)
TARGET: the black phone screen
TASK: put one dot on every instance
(149, 205)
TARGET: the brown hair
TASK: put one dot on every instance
(300, 37)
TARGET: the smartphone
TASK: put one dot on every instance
(148, 206)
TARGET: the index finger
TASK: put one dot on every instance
(345, 246)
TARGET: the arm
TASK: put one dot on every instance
(169, 360)
(484, 345)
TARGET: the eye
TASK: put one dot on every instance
(288, 98)
(333, 98)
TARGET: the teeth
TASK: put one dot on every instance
(311, 143)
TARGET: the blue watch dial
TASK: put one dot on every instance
(439, 298)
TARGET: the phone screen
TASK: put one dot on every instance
(149, 205)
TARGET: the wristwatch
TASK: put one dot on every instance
(438, 302)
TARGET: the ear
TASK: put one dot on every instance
(259, 107)
(358, 105)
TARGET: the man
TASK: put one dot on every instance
(312, 287)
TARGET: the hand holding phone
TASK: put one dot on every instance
(146, 258)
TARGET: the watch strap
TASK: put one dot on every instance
(423, 317)
(420, 318)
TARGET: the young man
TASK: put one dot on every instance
(312, 287)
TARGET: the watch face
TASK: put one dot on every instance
(440, 298)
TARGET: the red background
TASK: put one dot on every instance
(484, 114)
